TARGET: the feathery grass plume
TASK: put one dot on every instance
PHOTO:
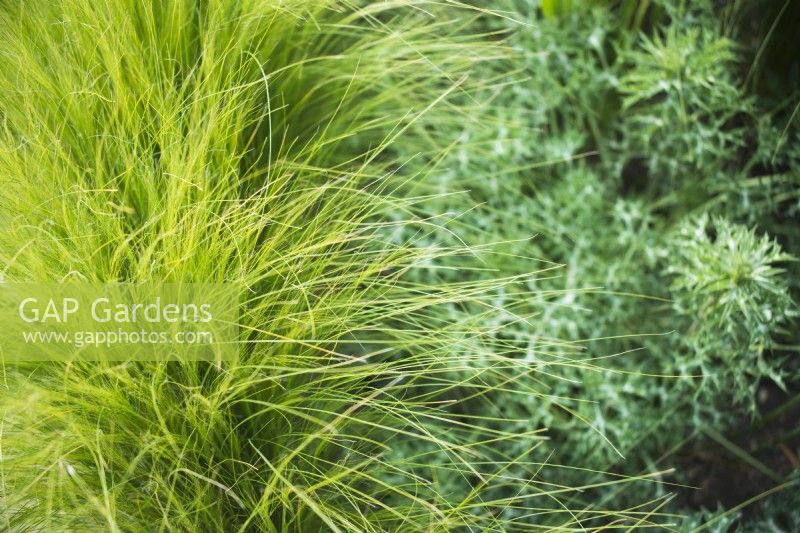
(249, 142)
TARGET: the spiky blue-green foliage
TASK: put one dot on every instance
(729, 285)
(606, 152)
